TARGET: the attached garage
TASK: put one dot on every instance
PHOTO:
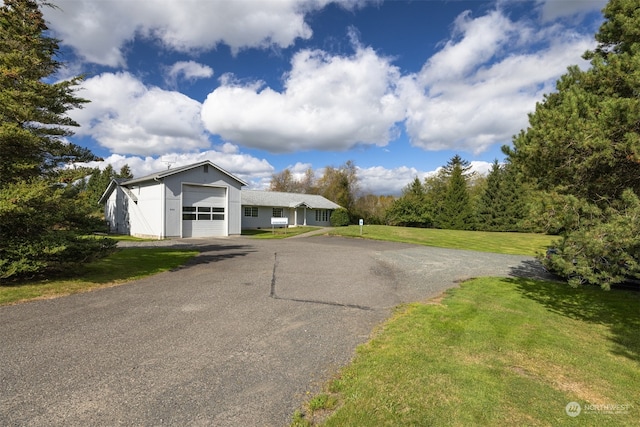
(204, 211)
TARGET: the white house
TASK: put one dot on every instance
(199, 200)
(202, 200)
(258, 207)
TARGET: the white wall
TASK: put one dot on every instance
(145, 216)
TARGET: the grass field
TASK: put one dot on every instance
(504, 243)
(495, 352)
(123, 266)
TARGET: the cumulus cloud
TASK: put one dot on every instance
(128, 117)
(328, 103)
(382, 181)
(477, 90)
(188, 70)
(244, 166)
(99, 30)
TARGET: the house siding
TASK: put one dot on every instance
(145, 219)
(115, 214)
(263, 220)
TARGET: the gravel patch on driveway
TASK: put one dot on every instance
(238, 336)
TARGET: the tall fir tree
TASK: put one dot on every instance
(456, 211)
(41, 221)
(32, 111)
(502, 205)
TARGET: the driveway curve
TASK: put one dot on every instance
(237, 337)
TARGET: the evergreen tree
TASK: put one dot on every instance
(410, 210)
(41, 221)
(456, 210)
(502, 205)
(584, 139)
(32, 112)
(582, 148)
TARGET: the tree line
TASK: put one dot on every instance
(454, 198)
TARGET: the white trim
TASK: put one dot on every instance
(163, 207)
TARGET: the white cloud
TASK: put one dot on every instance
(329, 103)
(99, 30)
(128, 117)
(478, 89)
(382, 181)
(188, 70)
(244, 166)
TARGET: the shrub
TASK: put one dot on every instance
(42, 229)
(339, 218)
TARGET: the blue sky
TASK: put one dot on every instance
(256, 86)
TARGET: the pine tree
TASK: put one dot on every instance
(582, 149)
(584, 139)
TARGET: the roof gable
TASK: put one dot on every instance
(113, 184)
(159, 175)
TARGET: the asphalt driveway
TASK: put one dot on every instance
(235, 338)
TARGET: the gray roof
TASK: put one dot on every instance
(173, 171)
(286, 200)
(156, 176)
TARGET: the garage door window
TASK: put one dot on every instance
(188, 213)
(202, 213)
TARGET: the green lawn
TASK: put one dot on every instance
(122, 266)
(483, 241)
(495, 352)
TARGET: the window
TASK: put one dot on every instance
(202, 213)
(277, 213)
(251, 211)
(322, 215)
(188, 213)
(218, 214)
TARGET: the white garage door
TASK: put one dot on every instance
(204, 211)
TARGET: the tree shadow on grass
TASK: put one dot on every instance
(619, 310)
